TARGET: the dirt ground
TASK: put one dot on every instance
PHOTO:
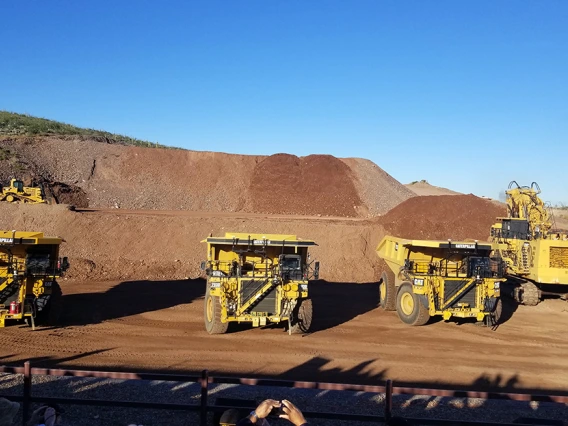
(133, 300)
(158, 325)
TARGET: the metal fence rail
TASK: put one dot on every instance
(205, 380)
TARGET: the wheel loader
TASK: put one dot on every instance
(16, 192)
(29, 268)
(440, 278)
(259, 279)
(535, 253)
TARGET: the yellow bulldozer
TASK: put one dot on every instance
(536, 254)
(440, 278)
(260, 279)
(16, 192)
(29, 268)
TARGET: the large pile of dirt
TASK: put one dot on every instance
(424, 188)
(170, 179)
(286, 184)
(441, 217)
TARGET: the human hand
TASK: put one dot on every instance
(293, 414)
(265, 407)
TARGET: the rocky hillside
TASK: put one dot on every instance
(97, 171)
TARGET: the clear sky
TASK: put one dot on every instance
(465, 94)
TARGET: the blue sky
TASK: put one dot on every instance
(465, 94)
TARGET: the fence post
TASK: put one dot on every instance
(204, 397)
(388, 401)
(27, 392)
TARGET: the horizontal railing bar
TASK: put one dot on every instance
(108, 403)
(296, 384)
(115, 375)
(13, 397)
(11, 370)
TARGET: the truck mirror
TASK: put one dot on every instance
(317, 270)
(203, 264)
(65, 264)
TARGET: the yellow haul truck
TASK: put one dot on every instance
(16, 192)
(445, 278)
(29, 268)
(258, 278)
(535, 253)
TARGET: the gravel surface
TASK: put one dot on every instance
(307, 400)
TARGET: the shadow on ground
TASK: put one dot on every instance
(127, 298)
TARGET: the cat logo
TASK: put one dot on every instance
(465, 246)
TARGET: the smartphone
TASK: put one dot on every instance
(277, 411)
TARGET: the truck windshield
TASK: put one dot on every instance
(290, 263)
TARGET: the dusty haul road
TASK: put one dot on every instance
(158, 325)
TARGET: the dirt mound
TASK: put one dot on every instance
(379, 191)
(441, 217)
(131, 178)
(68, 194)
(286, 184)
(423, 188)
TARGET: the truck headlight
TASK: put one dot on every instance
(497, 285)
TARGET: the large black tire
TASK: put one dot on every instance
(494, 318)
(387, 291)
(409, 308)
(49, 315)
(530, 294)
(212, 314)
(302, 317)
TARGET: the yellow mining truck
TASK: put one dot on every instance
(16, 192)
(445, 278)
(258, 278)
(29, 268)
(535, 253)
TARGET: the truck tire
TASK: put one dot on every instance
(49, 315)
(387, 291)
(530, 294)
(302, 318)
(409, 308)
(494, 318)
(212, 314)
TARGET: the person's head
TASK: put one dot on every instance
(8, 411)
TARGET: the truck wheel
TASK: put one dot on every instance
(494, 317)
(49, 315)
(212, 314)
(409, 308)
(530, 294)
(387, 291)
(302, 318)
